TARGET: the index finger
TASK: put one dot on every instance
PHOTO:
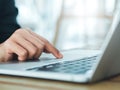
(48, 46)
(51, 49)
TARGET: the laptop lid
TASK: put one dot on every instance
(109, 62)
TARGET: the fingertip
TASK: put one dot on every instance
(60, 55)
(21, 59)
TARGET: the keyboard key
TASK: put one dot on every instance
(72, 67)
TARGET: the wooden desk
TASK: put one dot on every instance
(22, 83)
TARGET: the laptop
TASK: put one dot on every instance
(80, 66)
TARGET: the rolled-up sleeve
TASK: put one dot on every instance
(8, 23)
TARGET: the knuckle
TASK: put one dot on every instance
(41, 46)
(15, 35)
(23, 53)
(17, 31)
(46, 42)
(33, 51)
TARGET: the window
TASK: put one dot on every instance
(69, 23)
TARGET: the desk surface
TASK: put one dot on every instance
(22, 83)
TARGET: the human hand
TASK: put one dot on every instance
(26, 45)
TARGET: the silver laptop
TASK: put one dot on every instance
(81, 66)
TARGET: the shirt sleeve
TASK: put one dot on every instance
(8, 23)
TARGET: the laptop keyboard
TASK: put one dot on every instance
(71, 67)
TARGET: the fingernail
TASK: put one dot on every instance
(60, 55)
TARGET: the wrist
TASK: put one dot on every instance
(2, 53)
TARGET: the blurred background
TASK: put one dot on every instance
(69, 24)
